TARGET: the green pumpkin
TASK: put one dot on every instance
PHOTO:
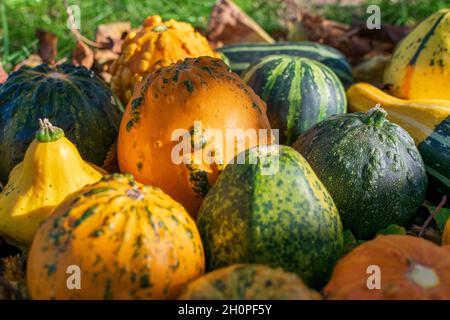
(268, 207)
(73, 97)
(299, 92)
(248, 282)
(370, 166)
(241, 56)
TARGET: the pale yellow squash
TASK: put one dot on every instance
(51, 170)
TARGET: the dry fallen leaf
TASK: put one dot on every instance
(109, 37)
(47, 46)
(32, 61)
(83, 55)
(229, 24)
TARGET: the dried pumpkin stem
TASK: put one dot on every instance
(47, 132)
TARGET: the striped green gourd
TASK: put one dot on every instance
(75, 98)
(299, 92)
(270, 208)
(241, 56)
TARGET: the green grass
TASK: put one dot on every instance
(400, 12)
(24, 16)
(20, 18)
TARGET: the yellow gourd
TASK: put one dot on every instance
(446, 234)
(52, 169)
(420, 66)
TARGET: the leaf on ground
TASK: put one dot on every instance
(229, 24)
(111, 164)
(3, 74)
(47, 46)
(441, 217)
(83, 55)
(371, 69)
(356, 41)
(32, 61)
(393, 229)
(111, 35)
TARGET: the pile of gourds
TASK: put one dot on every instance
(273, 226)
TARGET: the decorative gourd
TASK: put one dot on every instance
(72, 97)
(272, 209)
(299, 92)
(241, 56)
(51, 170)
(446, 234)
(157, 44)
(371, 168)
(129, 241)
(409, 268)
(427, 121)
(248, 282)
(420, 66)
(183, 101)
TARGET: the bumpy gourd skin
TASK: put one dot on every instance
(158, 44)
(130, 241)
(420, 66)
(248, 282)
(426, 120)
(272, 210)
(49, 172)
(371, 168)
(193, 91)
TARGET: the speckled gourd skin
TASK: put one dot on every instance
(157, 44)
(374, 172)
(248, 282)
(73, 98)
(195, 90)
(286, 220)
(130, 241)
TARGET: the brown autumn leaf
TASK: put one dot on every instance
(229, 24)
(109, 38)
(111, 35)
(47, 46)
(83, 55)
(3, 75)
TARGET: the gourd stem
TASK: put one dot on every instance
(47, 132)
(375, 116)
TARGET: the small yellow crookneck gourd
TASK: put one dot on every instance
(51, 170)
(426, 120)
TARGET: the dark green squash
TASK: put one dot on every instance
(299, 92)
(271, 209)
(241, 56)
(73, 97)
(370, 166)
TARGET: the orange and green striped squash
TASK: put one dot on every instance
(420, 66)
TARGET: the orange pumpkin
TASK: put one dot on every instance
(128, 240)
(188, 97)
(157, 44)
(409, 268)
